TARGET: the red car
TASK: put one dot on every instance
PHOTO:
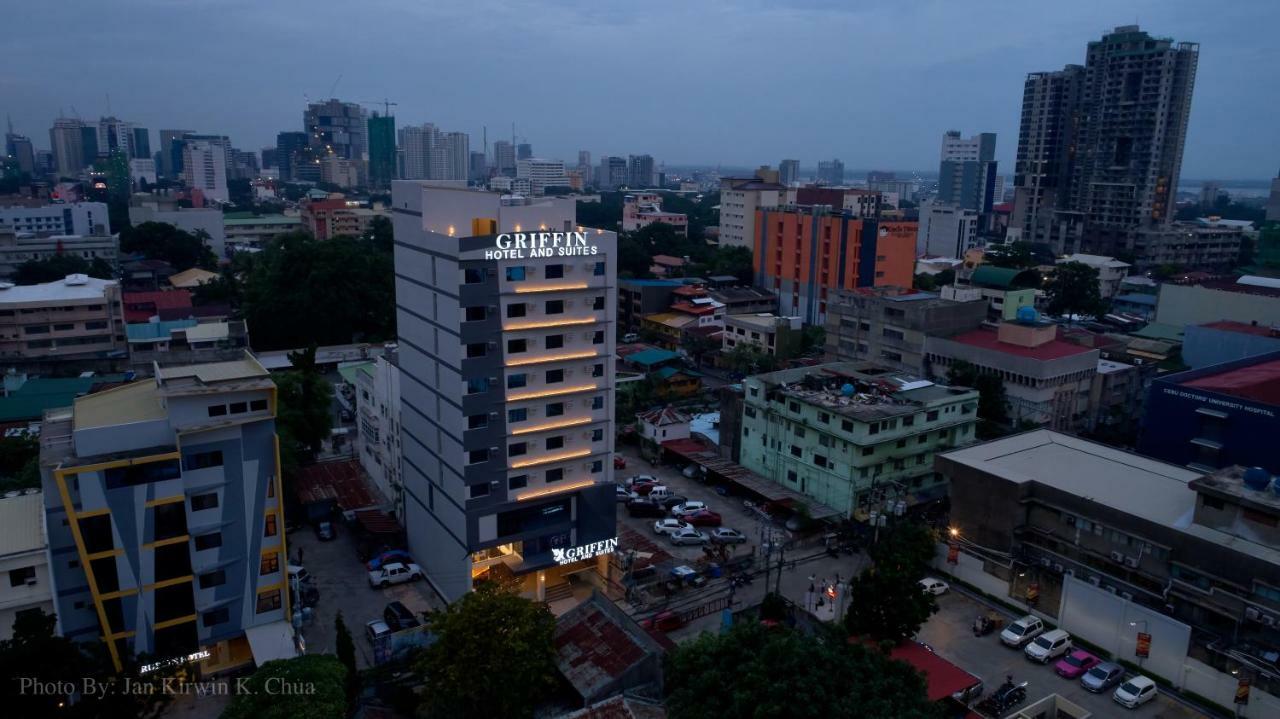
(703, 518)
(1075, 664)
(619, 462)
(663, 621)
(643, 488)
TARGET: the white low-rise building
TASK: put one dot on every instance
(377, 401)
(24, 557)
(662, 424)
(1111, 272)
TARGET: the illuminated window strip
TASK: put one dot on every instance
(552, 425)
(553, 323)
(521, 290)
(550, 458)
(551, 358)
(553, 490)
(553, 392)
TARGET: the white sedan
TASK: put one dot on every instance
(934, 586)
(394, 573)
(668, 526)
(688, 508)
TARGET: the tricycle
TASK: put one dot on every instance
(986, 624)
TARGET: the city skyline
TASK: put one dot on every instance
(938, 82)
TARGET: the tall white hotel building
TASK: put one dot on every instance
(506, 313)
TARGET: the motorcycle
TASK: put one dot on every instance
(1008, 696)
(984, 625)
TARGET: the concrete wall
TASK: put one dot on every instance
(1187, 305)
(1112, 622)
(1221, 688)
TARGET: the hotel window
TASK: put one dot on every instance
(556, 442)
(269, 526)
(515, 381)
(170, 521)
(216, 616)
(597, 402)
(475, 314)
(515, 415)
(478, 421)
(517, 449)
(553, 272)
(515, 274)
(270, 564)
(597, 370)
(202, 460)
(516, 346)
(476, 491)
(172, 561)
(597, 467)
(553, 475)
(472, 276)
(217, 410)
(208, 541)
(209, 500)
(554, 342)
(212, 579)
(555, 409)
(96, 533)
(258, 405)
(597, 303)
(239, 407)
(268, 601)
(554, 307)
(520, 481)
(477, 456)
(554, 376)
(476, 349)
(599, 269)
(598, 337)
(475, 385)
(597, 435)
(516, 309)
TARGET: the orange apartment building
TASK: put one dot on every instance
(802, 253)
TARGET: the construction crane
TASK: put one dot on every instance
(386, 104)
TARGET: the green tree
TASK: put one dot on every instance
(993, 402)
(16, 453)
(698, 346)
(317, 681)
(925, 282)
(605, 214)
(494, 634)
(907, 547)
(381, 234)
(56, 267)
(303, 291)
(1073, 290)
(163, 241)
(734, 261)
(634, 260)
(304, 417)
(813, 338)
(887, 605)
(754, 672)
(746, 359)
(346, 650)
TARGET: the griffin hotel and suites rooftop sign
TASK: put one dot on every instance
(524, 245)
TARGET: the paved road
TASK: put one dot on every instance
(949, 633)
(794, 581)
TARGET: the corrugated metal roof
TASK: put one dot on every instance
(22, 524)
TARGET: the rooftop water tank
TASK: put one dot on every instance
(847, 390)
(1257, 478)
(1028, 315)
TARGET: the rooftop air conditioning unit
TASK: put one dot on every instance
(1068, 572)
(1131, 562)
(1252, 614)
(1117, 557)
(1111, 589)
(1044, 562)
(31, 582)
(1095, 580)
(1269, 620)
(1127, 595)
(1058, 568)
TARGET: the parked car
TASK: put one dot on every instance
(619, 462)
(639, 478)
(643, 508)
(1102, 677)
(1075, 664)
(663, 621)
(299, 574)
(702, 518)
(689, 507)
(668, 502)
(659, 492)
(1048, 646)
(668, 526)
(1022, 631)
(1135, 692)
(377, 561)
(690, 471)
(325, 531)
(394, 573)
(934, 586)
(727, 535)
(622, 494)
(376, 628)
(630, 337)
(688, 535)
(642, 489)
(398, 617)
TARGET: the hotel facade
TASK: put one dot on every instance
(506, 312)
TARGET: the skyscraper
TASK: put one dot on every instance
(337, 127)
(382, 150)
(20, 150)
(456, 148)
(416, 142)
(478, 167)
(506, 360)
(967, 171)
(831, 172)
(524, 151)
(640, 171)
(289, 151)
(612, 173)
(1102, 144)
(788, 171)
(67, 142)
(170, 164)
(504, 158)
(204, 168)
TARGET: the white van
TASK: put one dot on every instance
(1022, 631)
(1048, 646)
(659, 493)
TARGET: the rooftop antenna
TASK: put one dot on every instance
(9, 119)
(108, 104)
(334, 87)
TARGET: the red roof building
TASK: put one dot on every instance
(142, 306)
(942, 678)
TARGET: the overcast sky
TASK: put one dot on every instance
(705, 82)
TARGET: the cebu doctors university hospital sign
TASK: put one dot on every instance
(524, 245)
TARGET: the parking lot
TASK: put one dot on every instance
(343, 583)
(949, 633)
(800, 564)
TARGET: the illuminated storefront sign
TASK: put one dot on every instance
(174, 661)
(586, 551)
(523, 245)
